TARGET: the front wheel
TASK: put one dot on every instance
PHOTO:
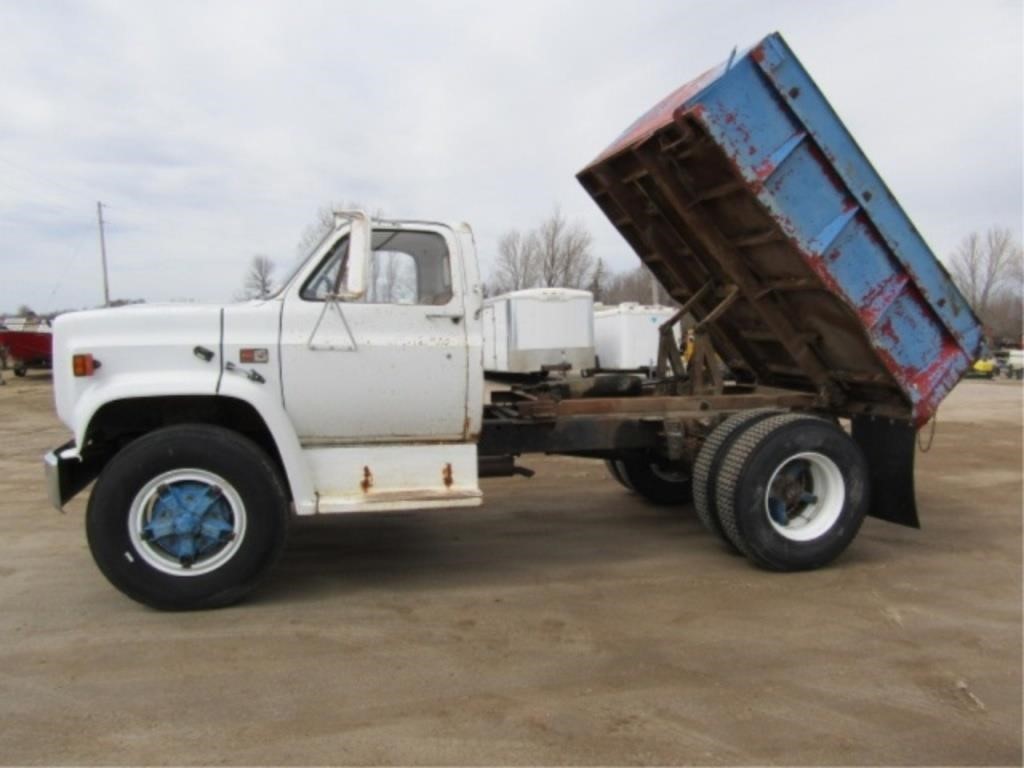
(20, 370)
(187, 517)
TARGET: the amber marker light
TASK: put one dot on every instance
(84, 365)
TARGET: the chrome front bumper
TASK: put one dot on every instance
(67, 472)
(51, 468)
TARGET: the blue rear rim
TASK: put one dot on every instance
(187, 522)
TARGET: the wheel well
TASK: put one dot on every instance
(117, 423)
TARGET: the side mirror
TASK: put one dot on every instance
(360, 235)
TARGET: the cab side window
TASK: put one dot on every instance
(408, 268)
(405, 268)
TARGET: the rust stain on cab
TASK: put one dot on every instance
(367, 482)
(446, 475)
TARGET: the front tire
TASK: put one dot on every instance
(792, 492)
(187, 517)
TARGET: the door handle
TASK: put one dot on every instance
(453, 316)
(251, 374)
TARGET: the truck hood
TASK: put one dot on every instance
(141, 349)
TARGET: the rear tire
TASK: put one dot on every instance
(612, 465)
(187, 517)
(659, 482)
(20, 371)
(709, 461)
(792, 492)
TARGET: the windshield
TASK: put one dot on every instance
(300, 262)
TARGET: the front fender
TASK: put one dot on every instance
(267, 403)
(130, 386)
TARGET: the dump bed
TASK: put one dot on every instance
(744, 187)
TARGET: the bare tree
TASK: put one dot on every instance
(1005, 320)
(563, 252)
(517, 263)
(323, 223)
(989, 271)
(634, 285)
(259, 282)
(555, 253)
(598, 281)
(984, 268)
(314, 232)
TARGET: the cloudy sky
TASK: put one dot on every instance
(215, 130)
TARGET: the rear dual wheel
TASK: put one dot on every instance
(791, 491)
(709, 461)
(612, 465)
(660, 482)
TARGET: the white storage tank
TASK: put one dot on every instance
(538, 329)
(626, 336)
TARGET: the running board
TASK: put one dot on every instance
(396, 501)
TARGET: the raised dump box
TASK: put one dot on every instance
(745, 194)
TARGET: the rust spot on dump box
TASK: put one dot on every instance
(446, 475)
(367, 482)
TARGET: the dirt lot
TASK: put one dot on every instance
(563, 622)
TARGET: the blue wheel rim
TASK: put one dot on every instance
(187, 522)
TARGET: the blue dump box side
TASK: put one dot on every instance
(745, 181)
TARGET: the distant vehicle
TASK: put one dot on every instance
(986, 366)
(983, 369)
(1015, 363)
(28, 343)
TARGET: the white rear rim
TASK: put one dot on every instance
(805, 496)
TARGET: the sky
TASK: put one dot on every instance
(214, 131)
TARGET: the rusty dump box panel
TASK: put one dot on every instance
(745, 181)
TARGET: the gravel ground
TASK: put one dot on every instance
(565, 622)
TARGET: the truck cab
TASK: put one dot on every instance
(360, 382)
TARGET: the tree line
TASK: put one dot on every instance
(989, 270)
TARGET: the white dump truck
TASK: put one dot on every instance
(359, 386)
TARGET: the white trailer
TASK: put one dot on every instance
(538, 329)
(626, 335)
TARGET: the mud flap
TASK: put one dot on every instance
(889, 446)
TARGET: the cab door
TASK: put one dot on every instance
(390, 366)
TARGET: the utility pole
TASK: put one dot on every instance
(103, 254)
(654, 290)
